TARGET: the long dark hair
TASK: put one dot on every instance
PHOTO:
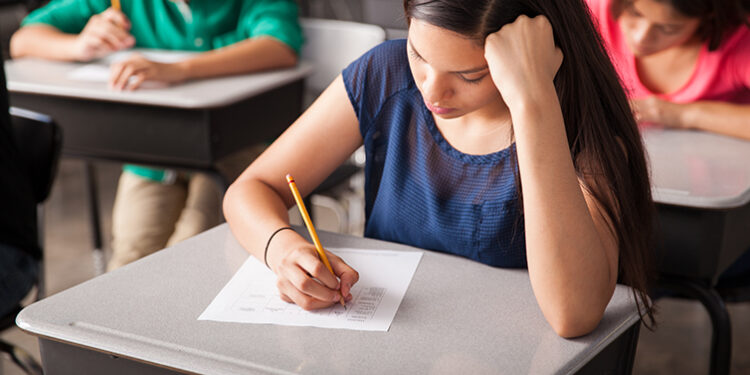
(602, 134)
(718, 17)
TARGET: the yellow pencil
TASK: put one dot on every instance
(116, 4)
(310, 228)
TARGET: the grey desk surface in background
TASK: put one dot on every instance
(189, 125)
(45, 77)
(701, 184)
(698, 169)
(458, 316)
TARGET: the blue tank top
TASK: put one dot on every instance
(419, 190)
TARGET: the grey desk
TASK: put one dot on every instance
(190, 126)
(701, 183)
(458, 316)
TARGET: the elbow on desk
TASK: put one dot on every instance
(16, 45)
(572, 324)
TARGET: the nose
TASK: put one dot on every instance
(436, 88)
(641, 33)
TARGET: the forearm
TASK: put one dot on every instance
(250, 55)
(568, 265)
(42, 41)
(254, 211)
(717, 117)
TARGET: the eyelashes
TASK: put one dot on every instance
(474, 81)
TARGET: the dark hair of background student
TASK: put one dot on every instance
(604, 142)
(719, 18)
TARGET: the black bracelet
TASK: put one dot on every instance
(265, 252)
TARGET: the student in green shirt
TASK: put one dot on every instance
(155, 208)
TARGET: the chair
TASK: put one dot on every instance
(331, 45)
(40, 142)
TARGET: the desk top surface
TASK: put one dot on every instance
(698, 169)
(45, 77)
(457, 316)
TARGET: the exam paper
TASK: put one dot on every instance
(251, 295)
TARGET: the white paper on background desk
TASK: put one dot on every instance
(99, 71)
(251, 295)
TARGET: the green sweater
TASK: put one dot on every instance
(209, 24)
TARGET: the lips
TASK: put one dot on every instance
(438, 110)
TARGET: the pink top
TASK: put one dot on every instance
(720, 75)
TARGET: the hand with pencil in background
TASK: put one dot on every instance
(104, 33)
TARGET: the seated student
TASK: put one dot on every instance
(685, 64)
(155, 208)
(485, 139)
(19, 251)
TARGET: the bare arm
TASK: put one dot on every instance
(104, 33)
(711, 116)
(256, 204)
(570, 250)
(249, 55)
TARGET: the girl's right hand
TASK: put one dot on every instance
(303, 279)
(104, 33)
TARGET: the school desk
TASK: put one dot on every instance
(701, 183)
(458, 316)
(187, 126)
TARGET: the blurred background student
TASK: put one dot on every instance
(155, 208)
(685, 64)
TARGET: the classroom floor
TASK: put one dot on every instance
(679, 346)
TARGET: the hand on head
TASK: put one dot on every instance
(104, 33)
(521, 55)
(303, 279)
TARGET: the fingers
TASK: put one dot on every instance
(303, 300)
(136, 81)
(305, 280)
(111, 29)
(120, 75)
(347, 275)
(117, 18)
(312, 278)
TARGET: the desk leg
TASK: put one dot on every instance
(721, 339)
(96, 231)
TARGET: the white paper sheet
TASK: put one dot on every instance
(99, 71)
(251, 295)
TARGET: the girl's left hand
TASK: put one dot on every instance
(132, 72)
(522, 58)
(653, 110)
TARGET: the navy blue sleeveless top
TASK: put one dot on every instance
(419, 190)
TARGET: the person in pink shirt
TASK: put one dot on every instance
(684, 63)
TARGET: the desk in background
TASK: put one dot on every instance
(458, 316)
(701, 183)
(189, 126)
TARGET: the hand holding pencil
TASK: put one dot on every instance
(307, 274)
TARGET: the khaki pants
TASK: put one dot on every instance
(149, 215)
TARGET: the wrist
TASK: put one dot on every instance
(182, 70)
(536, 97)
(277, 242)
